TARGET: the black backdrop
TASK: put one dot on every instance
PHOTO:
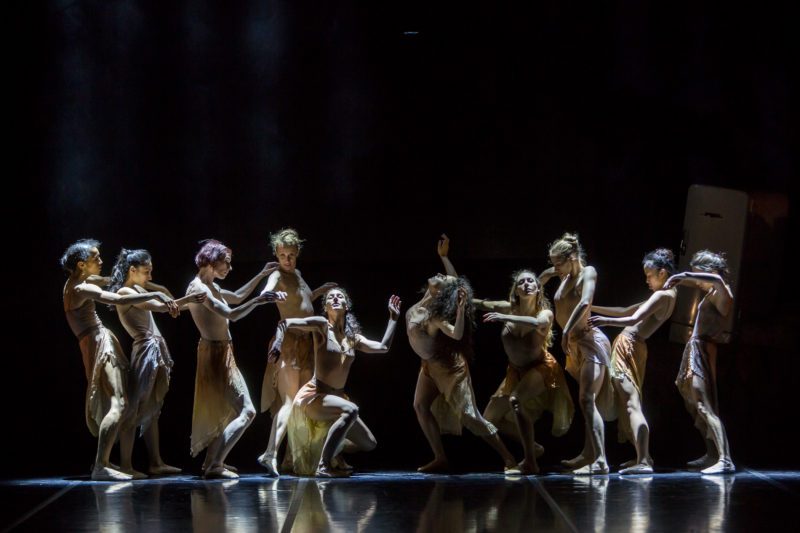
(372, 128)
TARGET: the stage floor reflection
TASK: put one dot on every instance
(396, 501)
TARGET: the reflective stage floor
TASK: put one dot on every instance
(398, 501)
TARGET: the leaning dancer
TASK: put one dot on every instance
(534, 380)
(222, 405)
(104, 362)
(586, 348)
(439, 329)
(150, 358)
(629, 353)
(697, 378)
(324, 421)
(284, 377)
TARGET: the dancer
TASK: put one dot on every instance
(150, 358)
(586, 347)
(284, 377)
(322, 416)
(629, 353)
(104, 362)
(697, 378)
(222, 405)
(534, 380)
(439, 329)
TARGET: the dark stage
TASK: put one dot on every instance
(750, 500)
(372, 128)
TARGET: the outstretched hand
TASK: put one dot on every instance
(673, 281)
(493, 317)
(394, 307)
(173, 308)
(598, 321)
(271, 296)
(269, 268)
(443, 246)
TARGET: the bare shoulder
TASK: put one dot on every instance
(126, 290)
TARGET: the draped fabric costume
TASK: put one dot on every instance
(592, 345)
(554, 397)
(99, 348)
(217, 388)
(455, 406)
(151, 365)
(628, 360)
(297, 351)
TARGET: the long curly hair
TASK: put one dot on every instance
(541, 304)
(351, 324)
(445, 307)
(125, 260)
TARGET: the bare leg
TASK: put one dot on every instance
(640, 432)
(711, 456)
(344, 415)
(495, 413)
(424, 395)
(109, 428)
(221, 446)
(592, 375)
(712, 421)
(127, 436)
(289, 382)
(151, 439)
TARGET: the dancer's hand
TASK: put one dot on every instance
(673, 281)
(394, 307)
(174, 309)
(271, 296)
(494, 317)
(599, 321)
(163, 297)
(443, 246)
(198, 297)
(269, 268)
(325, 287)
(462, 297)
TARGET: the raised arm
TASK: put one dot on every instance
(454, 331)
(617, 311)
(311, 323)
(322, 289)
(369, 346)
(658, 301)
(547, 275)
(501, 306)
(443, 248)
(584, 305)
(237, 297)
(722, 300)
(157, 306)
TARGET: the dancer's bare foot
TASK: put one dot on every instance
(638, 468)
(702, 462)
(329, 471)
(105, 473)
(135, 474)
(270, 463)
(575, 462)
(596, 468)
(437, 465)
(538, 450)
(723, 466)
(220, 472)
(523, 468)
(339, 463)
(163, 470)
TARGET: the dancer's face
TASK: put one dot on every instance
(526, 285)
(287, 257)
(141, 274)
(223, 267)
(335, 301)
(655, 278)
(439, 281)
(93, 265)
(562, 264)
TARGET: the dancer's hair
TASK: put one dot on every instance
(287, 237)
(211, 252)
(708, 261)
(567, 245)
(445, 307)
(351, 325)
(660, 258)
(78, 251)
(125, 260)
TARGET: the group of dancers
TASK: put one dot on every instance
(310, 356)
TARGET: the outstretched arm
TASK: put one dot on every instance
(547, 275)
(543, 319)
(221, 307)
(723, 299)
(657, 302)
(237, 297)
(312, 323)
(322, 289)
(93, 292)
(443, 248)
(157, 306)
(617, 311)
(369, 346)
(492, 305)
(150, 286)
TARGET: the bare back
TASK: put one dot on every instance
(212, 326)
(646, 327)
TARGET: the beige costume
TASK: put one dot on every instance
(297, 351)
(592, 345)
(628, 360)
